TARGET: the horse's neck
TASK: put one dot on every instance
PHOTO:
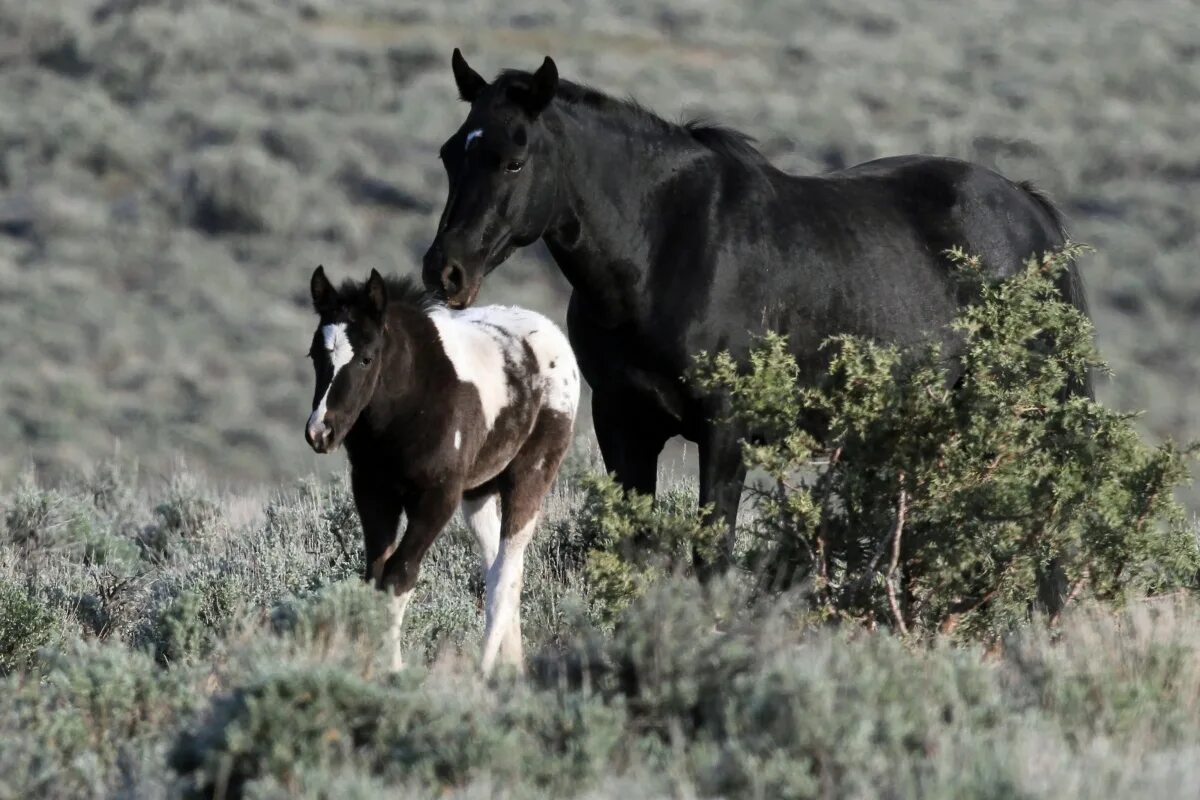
(603, 237)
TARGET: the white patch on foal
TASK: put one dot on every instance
(478, 342)
(337, 344)
(458, 440)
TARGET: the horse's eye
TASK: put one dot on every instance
(514, 166)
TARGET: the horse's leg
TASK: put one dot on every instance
(523, 487)
(722, 477)
(629, 446)
(428, 512)
(481, 512)
(379, 508)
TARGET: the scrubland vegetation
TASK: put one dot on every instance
(985, 592)
(185, 641)
(171, 173)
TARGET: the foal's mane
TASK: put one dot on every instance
(403, 291)
(720, 139)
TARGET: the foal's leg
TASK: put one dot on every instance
(523, 487)
(481, 512)
(428, 513)
(379, 508)
(504, 596)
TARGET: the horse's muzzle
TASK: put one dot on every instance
(458, 290)
(446, 275)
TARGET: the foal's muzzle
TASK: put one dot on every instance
(319, 436)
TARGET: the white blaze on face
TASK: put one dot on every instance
(472, 136)
(340, 354)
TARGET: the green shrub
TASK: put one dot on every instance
(184, 517)
(324, 518)
(195, 621)
(953, 507)
(25, 626)
(749, 701)
(348, 611)
(187, 512)
(1134, 676)
(635, 542)
(286, 723)
(85, 525)
(29, 513)
(77, 725)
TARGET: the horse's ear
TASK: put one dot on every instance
(324, 296)
(541, 88)
(377, 293)
(470, 83)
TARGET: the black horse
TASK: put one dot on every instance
(440, 408)
(680, 238)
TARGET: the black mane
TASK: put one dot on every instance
(403, 290)
(720, 139)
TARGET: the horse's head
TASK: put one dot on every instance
(502, 179)
(345, 354)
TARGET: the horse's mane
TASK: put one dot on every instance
(402, 290)
(720, 139)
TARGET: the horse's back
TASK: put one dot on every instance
(960, 203)
(862, 251)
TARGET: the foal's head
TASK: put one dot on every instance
(345, 354)
(502, 180)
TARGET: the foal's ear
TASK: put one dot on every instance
(377, 293)
(541, 88)
(470, 84)
(324, 296)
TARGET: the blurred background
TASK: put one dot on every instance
(171, 172)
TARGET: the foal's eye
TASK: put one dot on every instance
(366, 361)
(514, 166)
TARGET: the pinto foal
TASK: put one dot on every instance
(438, 409)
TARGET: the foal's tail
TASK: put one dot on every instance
(1070, 285)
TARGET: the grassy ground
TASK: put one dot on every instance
(160, 639)
(172, 172)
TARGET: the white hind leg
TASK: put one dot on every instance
(399, 605)
(512, 650)
(482, 516)
(504, 599)
(523, 487)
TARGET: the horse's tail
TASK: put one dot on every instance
(1070, 285)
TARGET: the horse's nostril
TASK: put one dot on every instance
(452, 279)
